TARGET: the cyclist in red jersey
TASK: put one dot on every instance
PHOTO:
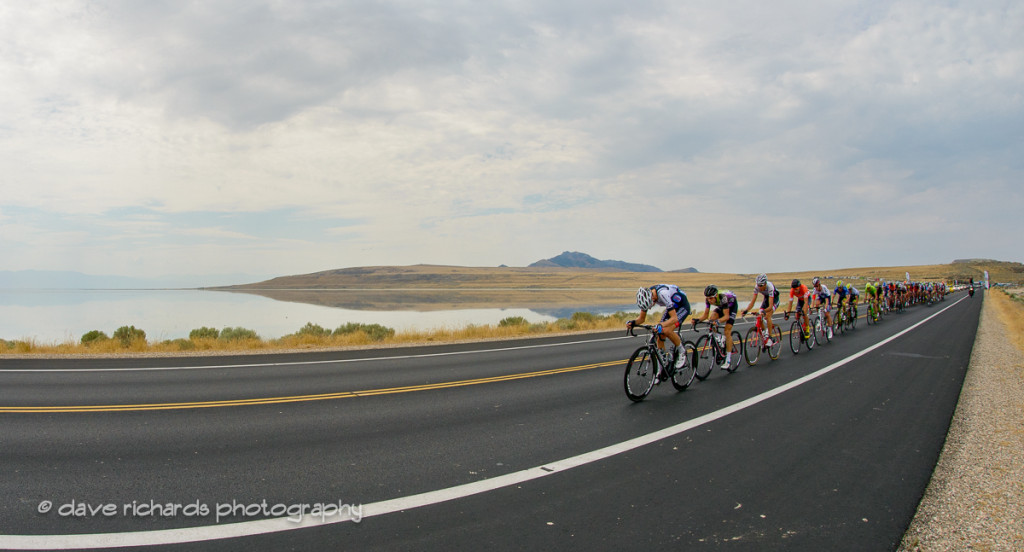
(800, 292)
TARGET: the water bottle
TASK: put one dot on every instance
(721, 339)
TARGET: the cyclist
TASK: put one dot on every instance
(800, 292)
(725, 307)
(840, 292)
(771, 301)
(874, 294)
(854, 296)
(677, 308)
(823, 301)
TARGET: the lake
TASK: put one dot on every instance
(49, 316)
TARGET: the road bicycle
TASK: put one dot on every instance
(757, 340)
(823, 331)
(650, 364)
(710, 350)
(797, 337)
(873, 315)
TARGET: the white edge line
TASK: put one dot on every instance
(264, 526)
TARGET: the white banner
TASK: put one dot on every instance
(986, 279)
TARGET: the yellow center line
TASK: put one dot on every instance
(297, 398)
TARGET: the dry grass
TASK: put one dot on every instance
(1010, 306)
(578, 323)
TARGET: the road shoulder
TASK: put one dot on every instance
(975, 500)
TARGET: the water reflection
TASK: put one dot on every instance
(64, 315)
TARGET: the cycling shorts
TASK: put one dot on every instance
(774, 301)
(681, 314)
(732, 311)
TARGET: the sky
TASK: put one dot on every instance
(270, 138)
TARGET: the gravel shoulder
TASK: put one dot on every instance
(975, 500)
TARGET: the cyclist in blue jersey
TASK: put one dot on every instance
(720, 305)
(840, 294)
(677, 308)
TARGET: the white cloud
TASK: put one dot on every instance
(482, 134)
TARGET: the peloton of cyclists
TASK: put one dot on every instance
(677, 308)
(771, 301)
(720, 305)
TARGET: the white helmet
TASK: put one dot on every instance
(762, 279)
(643, 299)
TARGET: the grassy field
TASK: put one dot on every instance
(1010, 306)
(441, 287)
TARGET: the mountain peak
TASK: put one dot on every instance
(575, 259)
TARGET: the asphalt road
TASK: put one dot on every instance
(509, 445)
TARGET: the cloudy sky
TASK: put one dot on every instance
(269, 138)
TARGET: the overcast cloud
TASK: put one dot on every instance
(156, 138)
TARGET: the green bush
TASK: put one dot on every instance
(128, 335)
(314, 330)
(183, 344)
(237, 334)
(584, 317)
(512, 321)
(93, 336)
(204, 333)
(375, 332)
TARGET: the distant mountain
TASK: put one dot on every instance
(575, 259)
(690, 270)
(65, 279)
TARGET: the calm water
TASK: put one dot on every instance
(60, 315)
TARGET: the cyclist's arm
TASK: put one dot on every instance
(752, 301)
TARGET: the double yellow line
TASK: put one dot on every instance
(296, 398)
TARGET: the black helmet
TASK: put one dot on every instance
(711, 290)
(795, 284)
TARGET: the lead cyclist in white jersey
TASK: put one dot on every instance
(677, 308)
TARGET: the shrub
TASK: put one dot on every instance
(512, 321)
(314, 330)
(94, 336)
(204, 333)
(375, 332)
(128, 335)
(182, 344)
(237, 334)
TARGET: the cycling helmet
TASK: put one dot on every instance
(795, 284)
(712, 289)
(815, 281)
(643, 299)
(840, 284)
(762, 279)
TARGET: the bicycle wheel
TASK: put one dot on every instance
(752, 346)
(820, 330)
(809, 340)
(776, 347)
(795, 338)
(641, 370)
(870, 318)
(683, 376)
(853, 319)
(737, 351)
(703, 357)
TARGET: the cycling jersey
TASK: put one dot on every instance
(726, 300)
(672, 298)
(823, 294)
(801, 292)
(854, 294)
(871, 290)
(770, 293)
